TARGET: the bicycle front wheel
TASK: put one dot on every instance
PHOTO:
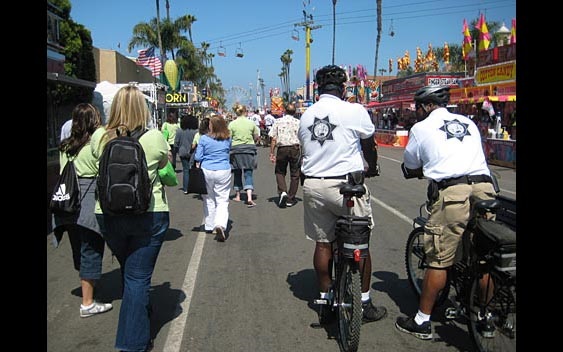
(492, 325)
(349, 303)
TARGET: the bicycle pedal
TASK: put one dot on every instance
(321, 301)
(451, 313)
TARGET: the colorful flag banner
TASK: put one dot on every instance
(512, 39)
(466, 47)
(484, 36)
(148, 59)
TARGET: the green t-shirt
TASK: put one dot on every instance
(172, 128)
(156, 149)
(85, 164)
(243, 131)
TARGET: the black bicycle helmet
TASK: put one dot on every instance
(330, 77)
(439, 95)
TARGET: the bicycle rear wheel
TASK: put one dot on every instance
(415, 262)
(349, 306)
(492, 326)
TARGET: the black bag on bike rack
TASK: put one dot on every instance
(353, 232)
(497, 240)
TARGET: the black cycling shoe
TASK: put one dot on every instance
(372, 313)
(408, 325)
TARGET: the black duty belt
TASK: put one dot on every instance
(466, 179)
(343, 177)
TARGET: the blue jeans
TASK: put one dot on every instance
(87, 251)
(136, 241)
(185, 173)
(248, 181)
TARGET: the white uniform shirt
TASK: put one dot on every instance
(330, 131)
(256, 119)
(446, 145)
(269, 120)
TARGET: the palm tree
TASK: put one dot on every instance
(157, 27)
(190, 20)
(286, 61)
(378, 37)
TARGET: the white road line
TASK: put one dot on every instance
(393, 210)
(177, 327)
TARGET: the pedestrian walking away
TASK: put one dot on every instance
(213, 157)
(330, 133)
(285, 150)
(135, 239)
(446, 149)
(183, 143)
(170, 127)
(84, 234)
(244, 134)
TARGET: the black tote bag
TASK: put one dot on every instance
(196, 182)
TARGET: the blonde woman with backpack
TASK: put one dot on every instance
(135, 239)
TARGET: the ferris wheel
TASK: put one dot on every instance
(237, 94)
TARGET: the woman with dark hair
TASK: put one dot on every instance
(83, 231)
(183, 144)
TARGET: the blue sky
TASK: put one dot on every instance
(263, 30)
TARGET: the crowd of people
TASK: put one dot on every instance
(321, 149)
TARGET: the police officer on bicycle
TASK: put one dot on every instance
(333, 134)
(446, 149)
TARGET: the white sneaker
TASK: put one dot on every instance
(95, 309)
(283, 199)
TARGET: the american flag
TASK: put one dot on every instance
(147, 58)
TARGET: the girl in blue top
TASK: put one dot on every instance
(212, 155)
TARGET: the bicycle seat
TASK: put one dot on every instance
(353, 190)
(489, 205)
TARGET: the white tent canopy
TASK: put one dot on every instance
(105, 91)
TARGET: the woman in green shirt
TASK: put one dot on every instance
(135, 239)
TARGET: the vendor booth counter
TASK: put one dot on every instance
(500, 152)
(395, 138)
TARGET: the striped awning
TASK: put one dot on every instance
(501, 98)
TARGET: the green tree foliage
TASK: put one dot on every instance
(79, 57)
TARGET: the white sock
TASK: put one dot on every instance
(87, 307)
(365, 297)
(420, 317)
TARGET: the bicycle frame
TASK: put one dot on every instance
(489, 306)
(351, 247)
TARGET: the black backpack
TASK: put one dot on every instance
(66, 199)
(123, 184)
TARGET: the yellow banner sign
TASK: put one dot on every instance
(496, 73)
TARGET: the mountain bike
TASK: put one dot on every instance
(351, 246)
(488, 253)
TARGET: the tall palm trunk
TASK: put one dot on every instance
(378, 37)
(158, 26)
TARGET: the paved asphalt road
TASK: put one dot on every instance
(252, 292)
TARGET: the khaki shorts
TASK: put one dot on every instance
(448, 218)
(323, 204)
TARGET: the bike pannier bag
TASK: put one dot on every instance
(353, 232)
(496, 239)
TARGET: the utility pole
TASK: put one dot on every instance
(258, 96)
(307, 24)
